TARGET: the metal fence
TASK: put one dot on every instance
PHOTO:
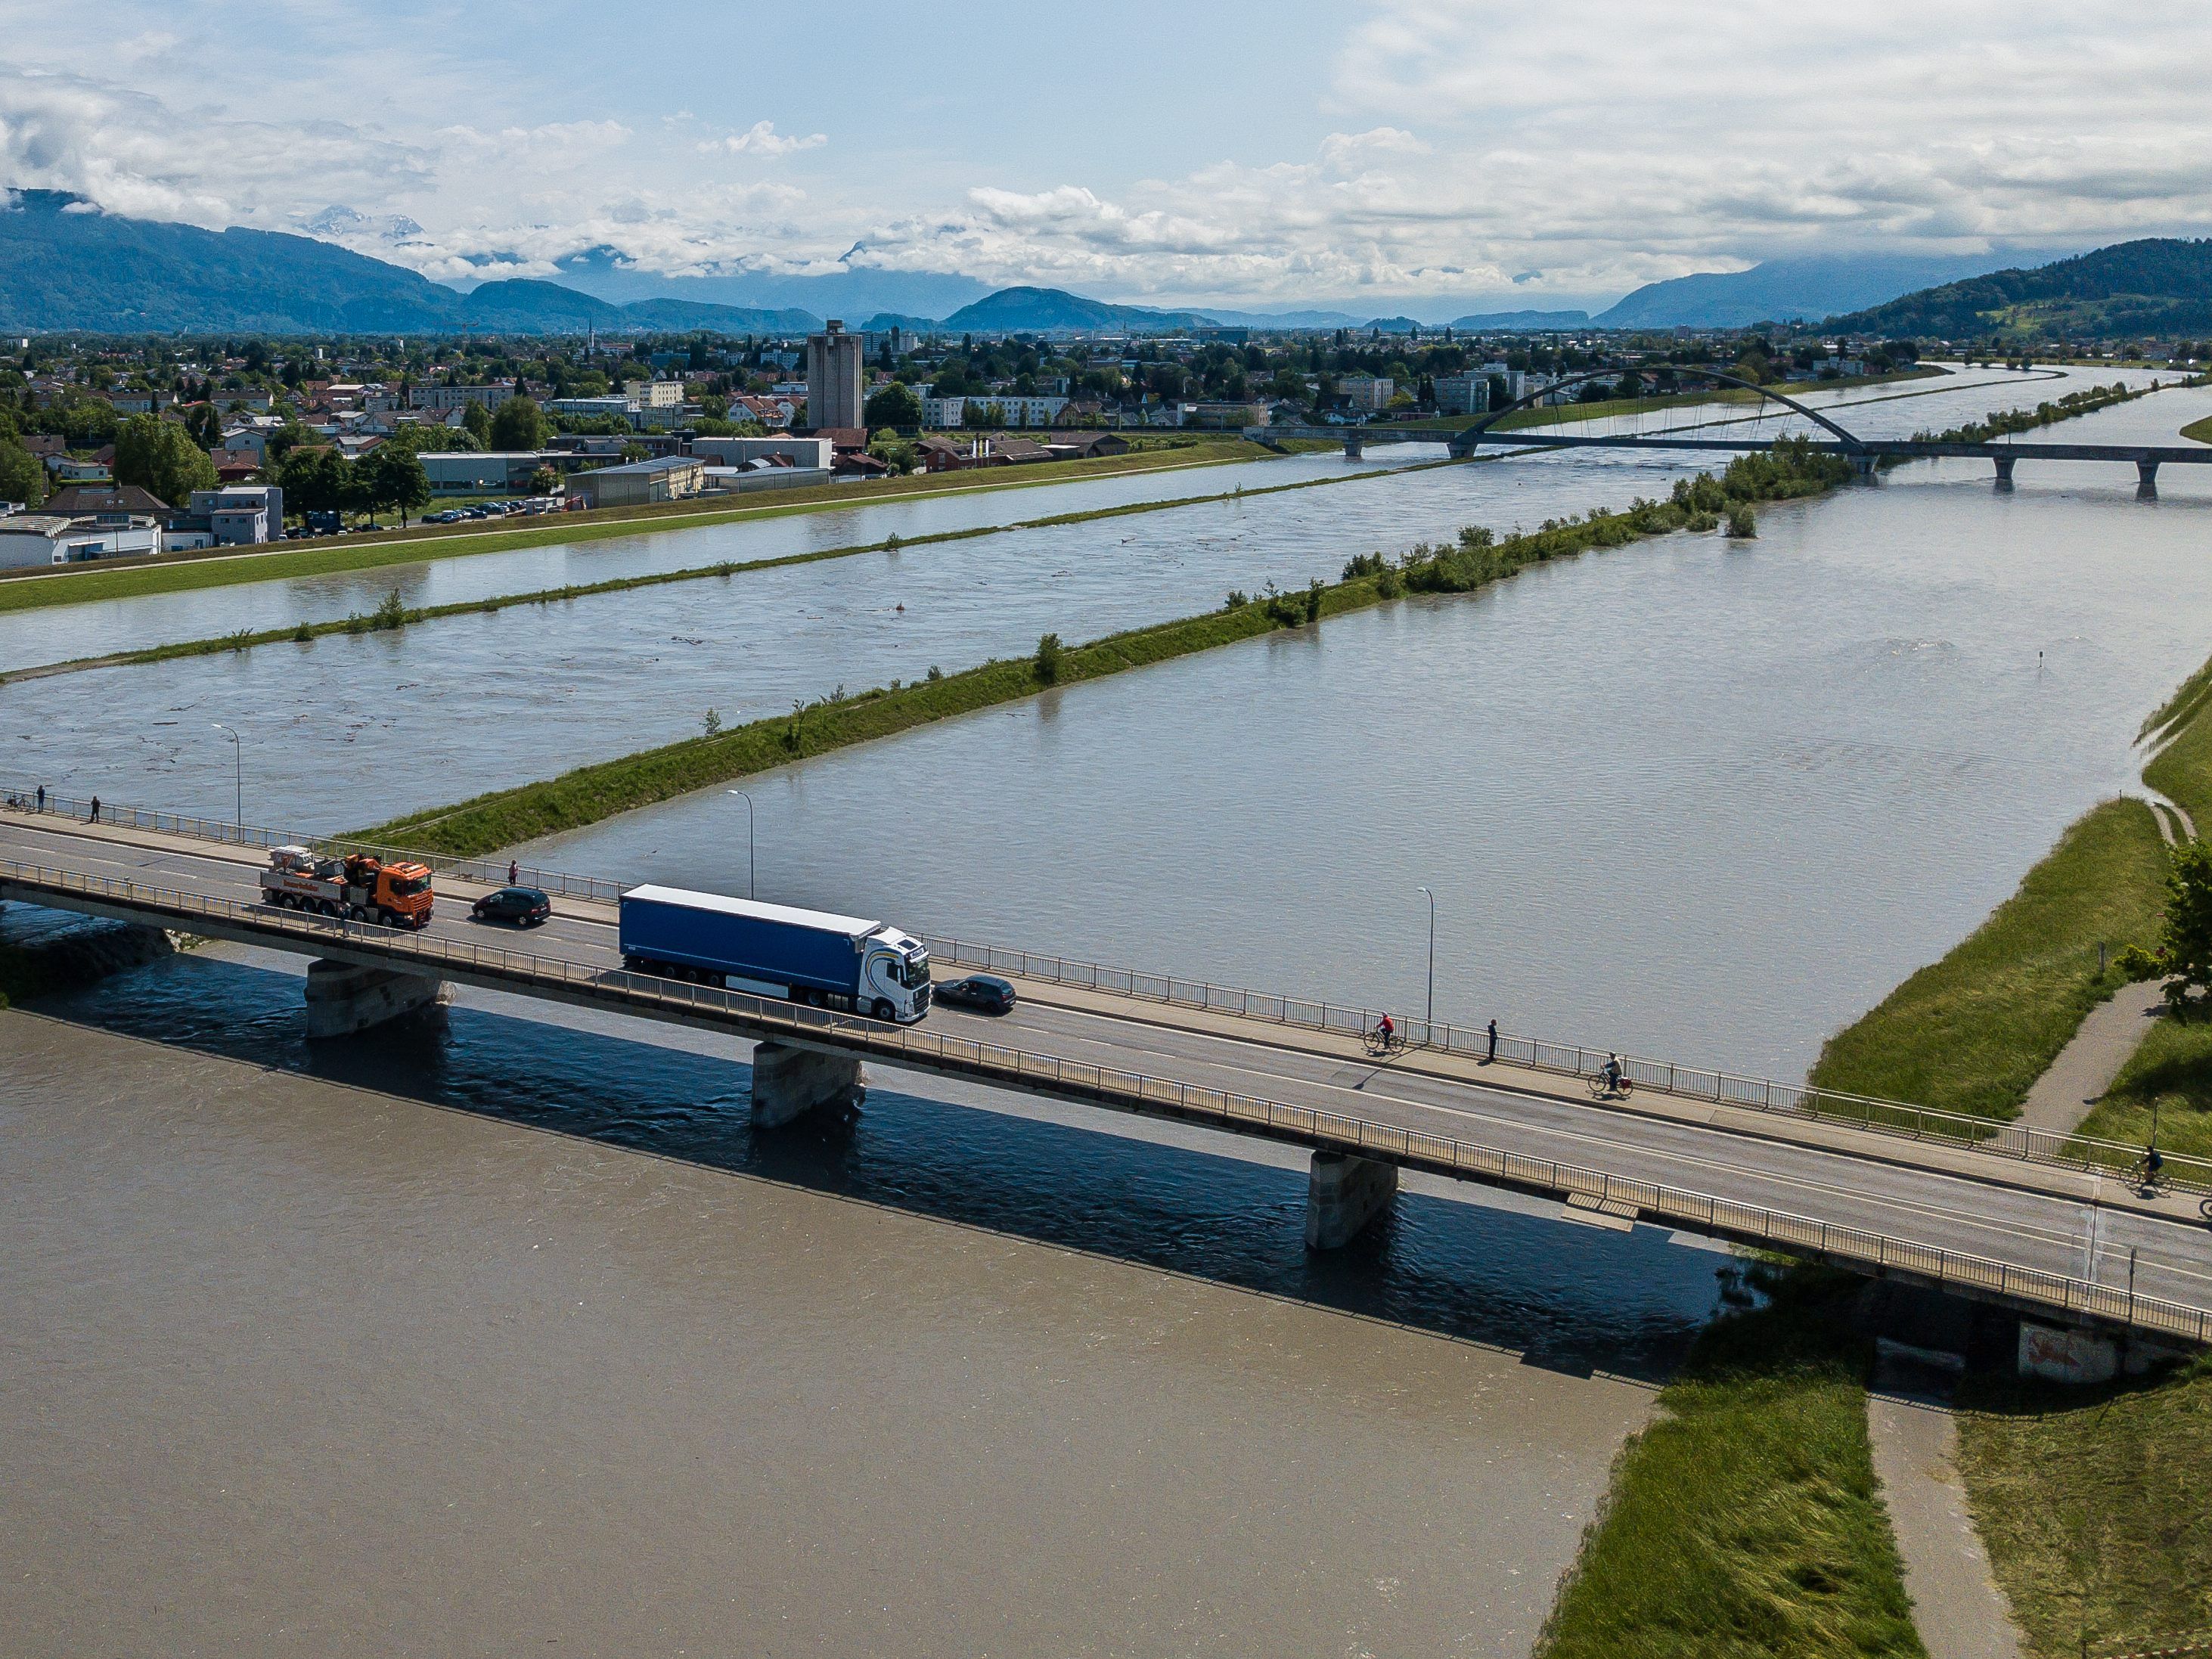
(436, 957)
(20, 797)
(1889, 1117)
(1897, 1119)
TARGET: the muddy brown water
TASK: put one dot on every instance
(469, 1340)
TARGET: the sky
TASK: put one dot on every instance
(1262, 152)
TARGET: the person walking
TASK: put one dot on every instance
(95, 818)
(513, 871)
(1492, 1057)
(42, 798)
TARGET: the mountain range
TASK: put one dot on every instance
(65, 265)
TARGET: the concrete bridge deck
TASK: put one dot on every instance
(2036, 1236)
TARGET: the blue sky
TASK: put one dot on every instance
(1237, 152)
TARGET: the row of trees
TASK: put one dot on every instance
(323, 481)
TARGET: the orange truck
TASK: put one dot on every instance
(358, 886)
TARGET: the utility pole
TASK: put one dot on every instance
(1429, 1020)
(237, 775)
(748, 800)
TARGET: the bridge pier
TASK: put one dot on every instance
(1355, 446)
(345, 997)
(2005, 465)
(788, 1083)
(1862, 466)
(2146, 477)
(1345, 1194)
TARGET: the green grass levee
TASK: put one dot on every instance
(1972, 1032)
(1746, 1522)
(590, 794)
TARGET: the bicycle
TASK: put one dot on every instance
(1382, 1044)
(1602, 1090)
(2150, 1181)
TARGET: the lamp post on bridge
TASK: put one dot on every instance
(237, 774)
(1429, 1018)
(748, 800)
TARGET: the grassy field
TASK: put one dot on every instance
(590, 794)
(177, 574)
(2172, 1071)
(396, 616)
(2199, 431)
(1747, 1522)
(2096, 1504)
(1972, 1032)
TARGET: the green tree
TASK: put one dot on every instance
(22, 475)
(392, 477)
(518, 424)
(476, 419)
(893, 405)
(315, 480)
(158, 455)
(2184, 951)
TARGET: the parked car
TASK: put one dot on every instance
(526, 907)
(985, 991)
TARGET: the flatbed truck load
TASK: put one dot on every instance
(845, 962)
(358, 886)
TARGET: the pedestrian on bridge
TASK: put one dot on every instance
(513, 873)
(42, 798)
(94, 817)
(1492, 1057)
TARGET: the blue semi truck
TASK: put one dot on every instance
(828, 961)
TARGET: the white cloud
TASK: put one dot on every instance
(762, 139)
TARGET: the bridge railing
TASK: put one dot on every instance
(20, 796)
(434, 955)
(1897, 1118)
(1894, 1118)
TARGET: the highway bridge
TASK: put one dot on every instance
(1865, 454)
(2026, 1220)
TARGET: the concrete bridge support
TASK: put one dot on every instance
(1864, 467)
(2005, 465)
(343, 997)
(788, 1083)
(1355, 446)
(2146, 477)
(1344, 1196)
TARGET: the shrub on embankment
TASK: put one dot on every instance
(1746, 1522)
(590, 794)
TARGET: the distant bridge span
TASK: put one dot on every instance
(1865, 454)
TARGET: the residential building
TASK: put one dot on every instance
(240, 515)
(654, 394)
(591, 407)
(445, 399)
(68, 471)
(1463, 394)
(1005, 409)
(833, 377)
(1369, 393)
(672, 477)
(815, 452)
(38, 538)
(944, 413)
(109, 499)
(771, 412)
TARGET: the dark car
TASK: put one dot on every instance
(526, 907)
(985, 991)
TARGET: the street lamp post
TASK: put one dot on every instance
(1429, 1020)
(748, 800)
(237, 774)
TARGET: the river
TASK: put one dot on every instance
(1698, 799)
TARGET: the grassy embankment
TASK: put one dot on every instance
(176, 573)
(593, 793)
(2199, 431)
(2170, 1074)
(2095, 1504)
(393, 614)
(1746, 1520)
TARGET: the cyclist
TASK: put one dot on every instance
(1387, 1029)
(1612, 1073)
(2153, 1162)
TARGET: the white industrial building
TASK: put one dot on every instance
(38, 538)
(811, 454)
